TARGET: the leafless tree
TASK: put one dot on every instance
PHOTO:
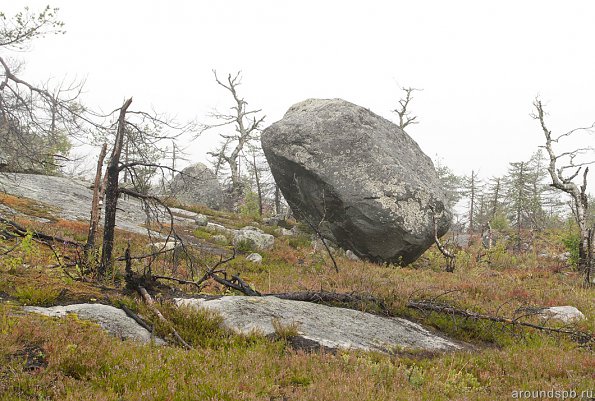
(36, 120)
(405, 117)
(134, 123)
(247, 128)
(559, 164)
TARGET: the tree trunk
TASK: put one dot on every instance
(98, 189)
(496, 194)
(111, 194)
(519, 210)
(578, 194)
(277, 200)
(472, 206)
(258, 187)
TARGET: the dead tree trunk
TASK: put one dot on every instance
(111, 193)
(277, 200)
(258, 185)
(472, 205)
(495, 200)
(564, 183)
(98, 189)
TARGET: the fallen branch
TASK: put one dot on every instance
(329, 297)
(151, 304)
(137, 318)
(237, 284)
(439, 307)
(21, 231)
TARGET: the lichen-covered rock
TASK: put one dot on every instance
(113, 320)
(350, 255)
(220, 238)
(201, 220)
(324, 326)
(253, 239)
(254, 258)
(197, 185)
(365, 179)
(565, 314)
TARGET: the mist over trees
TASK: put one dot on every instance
(39, 122)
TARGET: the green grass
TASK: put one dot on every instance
(82, 362)
(36, 295)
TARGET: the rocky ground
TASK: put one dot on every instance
(318, 325)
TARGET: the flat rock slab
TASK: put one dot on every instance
(325, 326)
(113, 320)
(71, 200)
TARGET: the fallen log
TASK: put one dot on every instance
(151, 304)
(440, 307)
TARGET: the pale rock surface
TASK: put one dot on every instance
(256, 239)
(113, 320)
(254, 258)
(197, 184)
(324, 326)
(565, 314)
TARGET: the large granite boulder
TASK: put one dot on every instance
(197, 184)
(357, 176)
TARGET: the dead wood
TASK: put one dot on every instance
(441, 307)
(98, 190)
(329, 297)
(20, 231)
(137, 318)
(151, 304)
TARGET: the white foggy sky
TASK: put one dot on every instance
(480, 63)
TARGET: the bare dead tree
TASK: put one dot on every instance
(448, 255)
(111, 192)
(471, 191)
(257, 181)
(405, 117)
(129, 121)
(36, 120)
(561, 162)
(247, 127)
(98, 192)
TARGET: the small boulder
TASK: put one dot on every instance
(197, 185)
(164, 246)
(565, 314)
(271, 221)
(201, 220)
(252, 228)
(350, 255)
(219, 238)
(284, 232)
(253, 239)
(254, 258)
(220, 228)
